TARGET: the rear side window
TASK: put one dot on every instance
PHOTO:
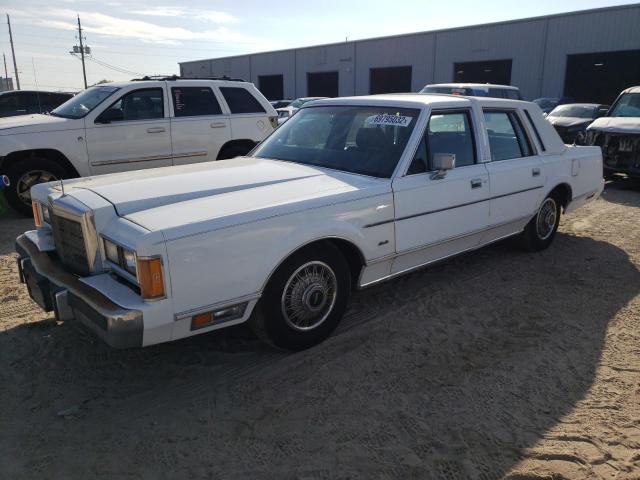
(194, 101)
(507, 138)
(535, 130)
(241, 101)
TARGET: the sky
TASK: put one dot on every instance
(130, 38)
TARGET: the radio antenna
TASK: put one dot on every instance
(62, 186)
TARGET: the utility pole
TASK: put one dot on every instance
(15, 67)
(84, 72)
(4, 57)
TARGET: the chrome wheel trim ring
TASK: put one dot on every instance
(28, 180)
(546, 219)
(309, 296)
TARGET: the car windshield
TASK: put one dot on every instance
(83, 103)
(575, 111)
(628, 105)
(364, 140)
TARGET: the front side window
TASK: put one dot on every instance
(364, 140)
(241, 101)
(84, 102)
(450, 132)
(194, 101)
(145, 104)
(507, 138)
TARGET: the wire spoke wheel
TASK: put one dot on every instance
(309, 296)
(547, 217)
(28, 180)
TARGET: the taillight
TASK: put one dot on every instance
(151, 278)
(37, 213)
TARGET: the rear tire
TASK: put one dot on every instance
(25, 173)
(234, 151)
(541, 230)
(304, 300)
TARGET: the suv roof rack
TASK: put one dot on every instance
(177, 77)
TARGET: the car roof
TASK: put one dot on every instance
(581, 105)
(418, 100)
(632, 90)
(472, 85)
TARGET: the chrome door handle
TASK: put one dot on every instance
(535, 172)
(476, 183)
(218, 125)
(155, 130)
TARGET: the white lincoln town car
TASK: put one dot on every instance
(348, 193)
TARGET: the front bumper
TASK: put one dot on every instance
(57, 290)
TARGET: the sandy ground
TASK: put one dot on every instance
(497, 364)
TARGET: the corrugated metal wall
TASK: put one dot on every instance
(538, 48)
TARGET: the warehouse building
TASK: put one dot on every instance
(589, 55)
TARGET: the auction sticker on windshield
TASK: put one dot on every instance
(386, 119)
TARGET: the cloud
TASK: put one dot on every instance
(107, 25)
(177, 11)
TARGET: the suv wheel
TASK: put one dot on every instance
(26, 173)
(234, 151)
(304, 299)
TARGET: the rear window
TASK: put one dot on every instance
(241, 101)
(194, 101)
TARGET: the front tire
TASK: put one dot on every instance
(25, 173)
(541, 230)
(304, 300)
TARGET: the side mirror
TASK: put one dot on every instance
(110, 115)
(442, 163)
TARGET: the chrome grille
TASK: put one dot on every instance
(70, 245)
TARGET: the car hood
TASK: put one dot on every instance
(226, 193)
(569, 122)
(36, 123)
(617, 124)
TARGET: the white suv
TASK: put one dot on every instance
(133, 125)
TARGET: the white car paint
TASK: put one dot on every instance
(222, 229)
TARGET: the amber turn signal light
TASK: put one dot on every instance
(150, 278)
(37, 217)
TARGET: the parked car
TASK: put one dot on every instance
(280, 103)
(475, 90)
(285, 113)
(618, 134)
(25, 102)
(549, 103)
(133, 125)
(571, 120)
(348, 193)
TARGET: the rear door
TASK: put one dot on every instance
(199, 126)
(515, 172)
(132, 133)
(437, 216)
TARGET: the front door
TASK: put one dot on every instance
(131, 134)
(440, 215)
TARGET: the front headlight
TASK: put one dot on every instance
(129, 261)
(120, 256)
